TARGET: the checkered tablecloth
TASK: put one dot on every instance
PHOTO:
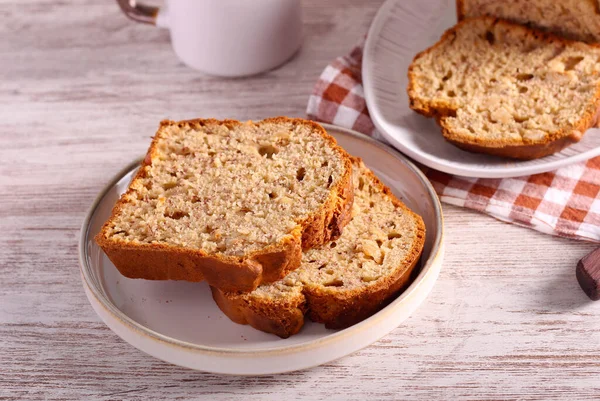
(564, 202)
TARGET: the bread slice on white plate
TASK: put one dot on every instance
(231, 203)
(572, 19)
(347, 280)
(500, 88)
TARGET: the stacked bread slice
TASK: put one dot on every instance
(347, 280)
(266, 213)
(572, 19)
(502, 88)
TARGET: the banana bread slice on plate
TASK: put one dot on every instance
(500, 88)
(231, 203)
(344, 281)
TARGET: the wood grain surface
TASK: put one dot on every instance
(81, 91)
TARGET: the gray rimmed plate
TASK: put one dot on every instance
(178, 322)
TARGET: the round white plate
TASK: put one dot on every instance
(401, 29)
(178, 322)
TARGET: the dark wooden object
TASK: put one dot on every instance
(588, 274)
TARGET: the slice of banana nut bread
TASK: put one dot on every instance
(500, 88)
(572, 19)
(347, 280)
(231, 203)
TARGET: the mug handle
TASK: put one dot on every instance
(141, 12)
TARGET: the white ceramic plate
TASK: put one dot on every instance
(401, 29)
(178, 321)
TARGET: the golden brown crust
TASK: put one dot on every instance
(232, 273)
(528, 149)
(337, 309)
(283, 319)
(326, 226)
(523, 152)
(460, 9)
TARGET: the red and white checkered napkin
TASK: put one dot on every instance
(564, 202)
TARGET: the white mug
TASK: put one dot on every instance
(229, 38)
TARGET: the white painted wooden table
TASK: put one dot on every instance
(81, 91)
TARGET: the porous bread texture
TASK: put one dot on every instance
(500, 88)
(572, 19)
(344, 281)
(233, 203)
